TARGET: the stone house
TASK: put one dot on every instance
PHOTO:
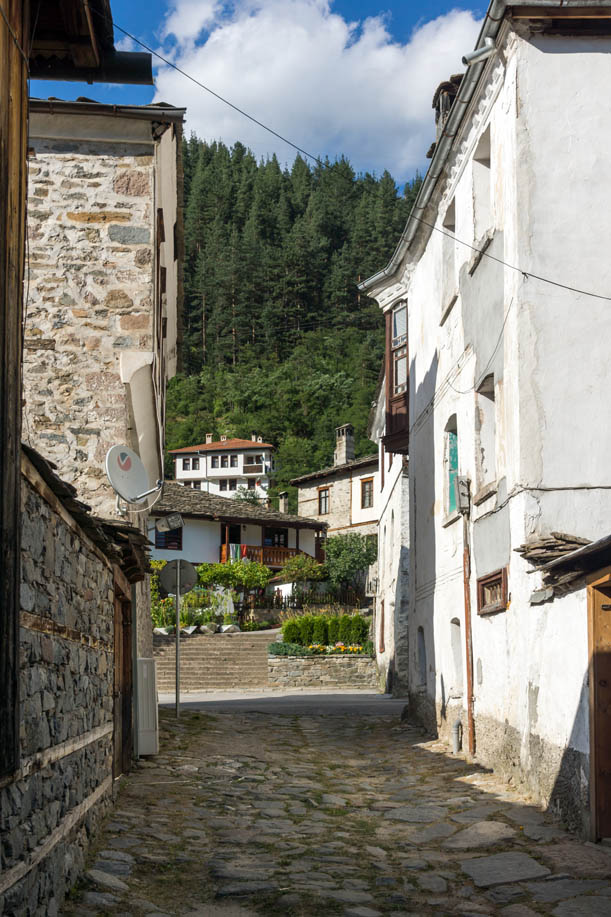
(104, 292)
(68, 580)
(391, 594)
(218, 530)
(345, 496)
(496, 388)
(226, 467)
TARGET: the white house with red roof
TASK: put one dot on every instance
(226, 467)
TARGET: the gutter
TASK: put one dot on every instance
(489, 29)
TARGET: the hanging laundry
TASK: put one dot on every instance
(234, 551)
(244, 551)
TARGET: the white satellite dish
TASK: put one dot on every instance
(128, 475)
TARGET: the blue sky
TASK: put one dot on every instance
(352, 77)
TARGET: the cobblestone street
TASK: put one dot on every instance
(247, 813)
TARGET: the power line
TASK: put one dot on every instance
(15, 39)
(197, 82)
(512, 267)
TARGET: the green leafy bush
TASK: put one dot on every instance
(291, 632)
(320, 630)
(368, 648)
(345, 629)
(288, 649)
(333, 629)
(306, 629)
(359, 631)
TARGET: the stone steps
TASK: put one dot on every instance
(211, 662)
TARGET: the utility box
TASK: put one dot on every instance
(148, 722)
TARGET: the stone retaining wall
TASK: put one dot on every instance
(63, 786)
(322, 672)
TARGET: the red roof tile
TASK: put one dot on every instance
(219, 446)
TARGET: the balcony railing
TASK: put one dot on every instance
(253, 469)
(270, 556)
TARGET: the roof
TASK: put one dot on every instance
(337, 469)
(156, 111)
(220, 445)
(121, 542)
(198, 504)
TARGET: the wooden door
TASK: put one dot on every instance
(123, 687)
(599, 614)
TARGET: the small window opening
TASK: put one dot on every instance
(456, 643)
(482, 203)
(451, 463)
(485, 432)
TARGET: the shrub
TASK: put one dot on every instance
(320, 630)
(368, 648)
(345, 629)
(288, 649)
(306, 629)
(291, 632)
(359, 632)
(333, 629)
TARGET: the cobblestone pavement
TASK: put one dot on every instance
(248, 813)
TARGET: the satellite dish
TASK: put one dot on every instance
(127, 474)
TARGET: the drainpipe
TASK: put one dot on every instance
(468, 633)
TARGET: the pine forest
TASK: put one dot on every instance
(277, 339)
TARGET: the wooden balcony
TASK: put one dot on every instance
(253, 469)
(270, 556)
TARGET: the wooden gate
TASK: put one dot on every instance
(123, 678)
(599, 627)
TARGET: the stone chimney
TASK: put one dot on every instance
(259, 439)
(223, 438)
(208, 438)
(283, 502)
(442, 101)
(253, 437)
(344, 444)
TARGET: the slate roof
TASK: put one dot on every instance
(221, 445)
(198, 504)
(337, 469)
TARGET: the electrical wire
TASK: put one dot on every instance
(15, 39)
(492, 355)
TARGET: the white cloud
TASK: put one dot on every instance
(329, 85)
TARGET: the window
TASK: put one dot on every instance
(169, 541)
(366, 493)
(224, 461)
(448, 248)
(451, 464)
(223, 484)
(186, 464)
(197, 485)
(323, 501)
(276, 537)
(251, 483)
(195, 465)
(234, 461)
(492, 592)
(233, 484)
(214, 461)
(397, 427)
(482, 204)
(485, 433)
(399, 349)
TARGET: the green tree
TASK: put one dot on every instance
(347, 559)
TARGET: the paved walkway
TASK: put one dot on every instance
(287, 812)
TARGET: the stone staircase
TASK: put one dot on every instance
(210, 663)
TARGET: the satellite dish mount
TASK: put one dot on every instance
(128, 476)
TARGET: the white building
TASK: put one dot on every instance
(226, 467)
(500, 379)
(220, 530)
(391, 584)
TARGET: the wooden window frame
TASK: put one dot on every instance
(396, 436)
(169, 541)
(365, 481)
(223, 481)
(186, 464)
(224, 461)
(322, 490)
(499, 577)
(195, 464)
(251, 484)
(233, 484)
(214, 461)
(233, 461)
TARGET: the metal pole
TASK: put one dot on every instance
(178, 639)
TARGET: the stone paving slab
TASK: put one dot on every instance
(292, 812)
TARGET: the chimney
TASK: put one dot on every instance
(253, 437)
(259, 439)
(444, 96)
(283, 502)
(223, 438)
(344, 445)
(208, 438)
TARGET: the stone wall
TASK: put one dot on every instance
(322, 672)
(90, 296)
(50, 807)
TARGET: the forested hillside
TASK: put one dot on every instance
(278, 340)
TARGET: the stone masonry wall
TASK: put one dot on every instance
(51, 806)
(322, 672)
(338, 516)
(89, 298)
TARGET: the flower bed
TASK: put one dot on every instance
(334, 671)
(318, 649)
